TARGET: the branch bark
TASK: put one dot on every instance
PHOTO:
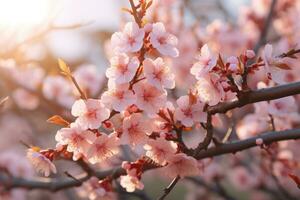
(266, 94)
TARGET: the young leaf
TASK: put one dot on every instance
(58, 120)
(64, 68)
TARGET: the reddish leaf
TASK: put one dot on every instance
(296, 179)
(282, 66)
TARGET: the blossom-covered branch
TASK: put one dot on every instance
(233, 147)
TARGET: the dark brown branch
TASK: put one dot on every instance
(170, 187)
(208, 138)
(257, 96)
(241, 145)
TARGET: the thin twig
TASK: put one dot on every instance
(265, 30)
(170, 187)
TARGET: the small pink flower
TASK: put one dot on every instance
(206, 62)
(89, 78)
(118, 97)
(259, 141)
(163, 41)
(159, 150)
(91, 113)
(158, 73)
(149, 98)
(30, 77)
(210, 90)
(77, 139)
(242, 179)
(135, 130)
(40, 162)
(130, 40)
(53, 90)
(181, 165)
(250, 54)
(122, 68)
(131, 183)
(282, 106)
(25, 100)
(105, 146)
(189, 112)
(233, 63)
(273, 71)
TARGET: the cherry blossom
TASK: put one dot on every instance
(158, 73)
(233, 63)
(159, 150)
(25, 99)
(89, 78)
(163, 41)
(206, 62)
(105, 146)
(149, 98)
(131, 183)
(273, 66)
(77, 139)
(59, 89)
(130, 40)
(241, 178)
(210, 90)
(91, 113)
(118, 97)
(135, 130)
(40, 162)
(122, 68)
(181, 165)
(190, 110)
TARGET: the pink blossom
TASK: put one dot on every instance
(242, 179)
(122, 68)
(130, 40)
(135, 129)
(189, 112)
(206, 62)
(131, 183)
(89, 78)
(149, 98)
(250, 54)
(233, 63)
(210, 90)
(25, 99)
(272, 64)
(163, 41)
(259, 141)
(181, 165)
(105, 146)
(53, 90)
(91, 113)
(282, 106)
(96, 190)
(30, 77)
(252, 125)
(159, 150)
(40, 162)
(118, 97)
(158, 73)
(77, 139)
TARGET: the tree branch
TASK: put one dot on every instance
(54, 185)
(266, 94)
(265, 30)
